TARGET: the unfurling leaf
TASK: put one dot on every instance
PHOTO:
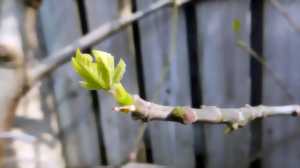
(104, 62)
(88, 86)
(87, 70)
(119, 71)
(102, 74)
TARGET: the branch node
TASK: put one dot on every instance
(184, 115)
(297, 110)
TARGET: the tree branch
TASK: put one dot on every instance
(268, 68)
(52, 62)
(233, 117)
(285, 14)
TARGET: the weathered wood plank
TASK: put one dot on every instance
(167, 82)
(281, 140)
(61, 26)
(119, 130)
(225, 77)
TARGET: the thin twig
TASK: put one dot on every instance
(172, 51)
(138, 142)
(285, 14)
(52, 62)
(233, 117)
(166, 70)
(101, 33)
(278, 80)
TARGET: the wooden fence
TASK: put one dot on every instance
(175, 56)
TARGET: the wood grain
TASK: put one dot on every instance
(61, 26)
(119, 130)
(225, 77)
(281, 47)
(167, 82)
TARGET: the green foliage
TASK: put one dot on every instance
(105, 65)
(83, 64)
(236, 25)
(119, 72)
(178, 112)
(121, 95)
(102, 74)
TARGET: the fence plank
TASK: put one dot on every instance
(225, 77)
(61, 26)
(120, 131)
(172, 144)
(281, 140)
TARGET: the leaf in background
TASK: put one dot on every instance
(236, 25)
(119, 71)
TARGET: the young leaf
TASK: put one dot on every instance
(105, 67)
(101, 74)
(84, 66)
(89, 86)
(119, 71)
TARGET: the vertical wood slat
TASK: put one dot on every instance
(256, 75)
(61, 25)
(119, 130)
(172, 144)
(281, 136)
(225, 77)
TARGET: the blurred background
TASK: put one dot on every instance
(226, 53)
